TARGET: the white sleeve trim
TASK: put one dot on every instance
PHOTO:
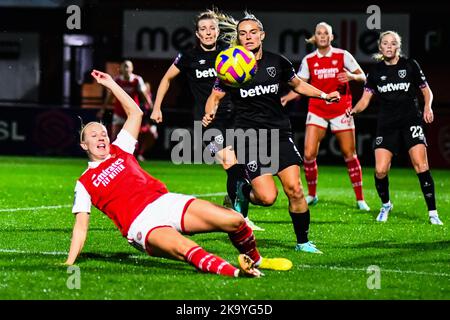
(303, 71)
(82, 199)
(125, 141)
(350, 63)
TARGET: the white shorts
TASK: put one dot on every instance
(118, 120)
(166, 211)
(340, 123)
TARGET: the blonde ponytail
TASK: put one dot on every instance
(312, 39)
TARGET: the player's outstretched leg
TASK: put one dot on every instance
(244, 240)
(169, 243)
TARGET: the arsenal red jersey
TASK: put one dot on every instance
(132, 86)
(321, 71)
(117, 186)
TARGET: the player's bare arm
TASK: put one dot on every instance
(346, 76)
(134, 113)
(304, 88)
(211, 106)
(428, 115)
(79, 235)
(362, 104)
(163, 87)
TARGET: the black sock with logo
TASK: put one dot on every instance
(427, 186)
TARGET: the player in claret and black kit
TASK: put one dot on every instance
(198, 65)
(152, 218)
(258, 107)
(396, 81)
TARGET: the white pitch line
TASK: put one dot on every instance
(68, 205)
(336, 268)
(36, 208)
(47, 253)
(436, 274)
(210, 194)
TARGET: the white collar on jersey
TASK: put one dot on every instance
(95, 164)
(329, 53)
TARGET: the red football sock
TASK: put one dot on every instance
(355, 174)
(311, 175)
(244, 240)
(208, 262)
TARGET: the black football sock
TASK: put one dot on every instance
(246, 189)
(382, 186)
(301, 225)
(234, 173)
(427, 186)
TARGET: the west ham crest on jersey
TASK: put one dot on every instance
(219, 139)
(252, 166)
(271, 71)
(378, 140)
(402, 73)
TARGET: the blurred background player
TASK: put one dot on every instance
(134, 85)
(264, 111)
(198, 65)
(396, 81)
(149, 132)
(329, 69)
(142, 208)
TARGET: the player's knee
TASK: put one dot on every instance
(421, 167)
(310, 155)
(349, 155)
(235, 222)
(294, 193)
(381, 172)
(268, 198)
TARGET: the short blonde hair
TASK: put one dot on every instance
(207, 15)
(84, 126)
(312, 39)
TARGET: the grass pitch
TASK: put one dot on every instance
(413, 256)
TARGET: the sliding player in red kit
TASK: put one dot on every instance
(146, 213)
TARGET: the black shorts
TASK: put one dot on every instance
(268, 158)
(405, 136)
(216, 134)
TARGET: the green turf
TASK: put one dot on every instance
(413, 256)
